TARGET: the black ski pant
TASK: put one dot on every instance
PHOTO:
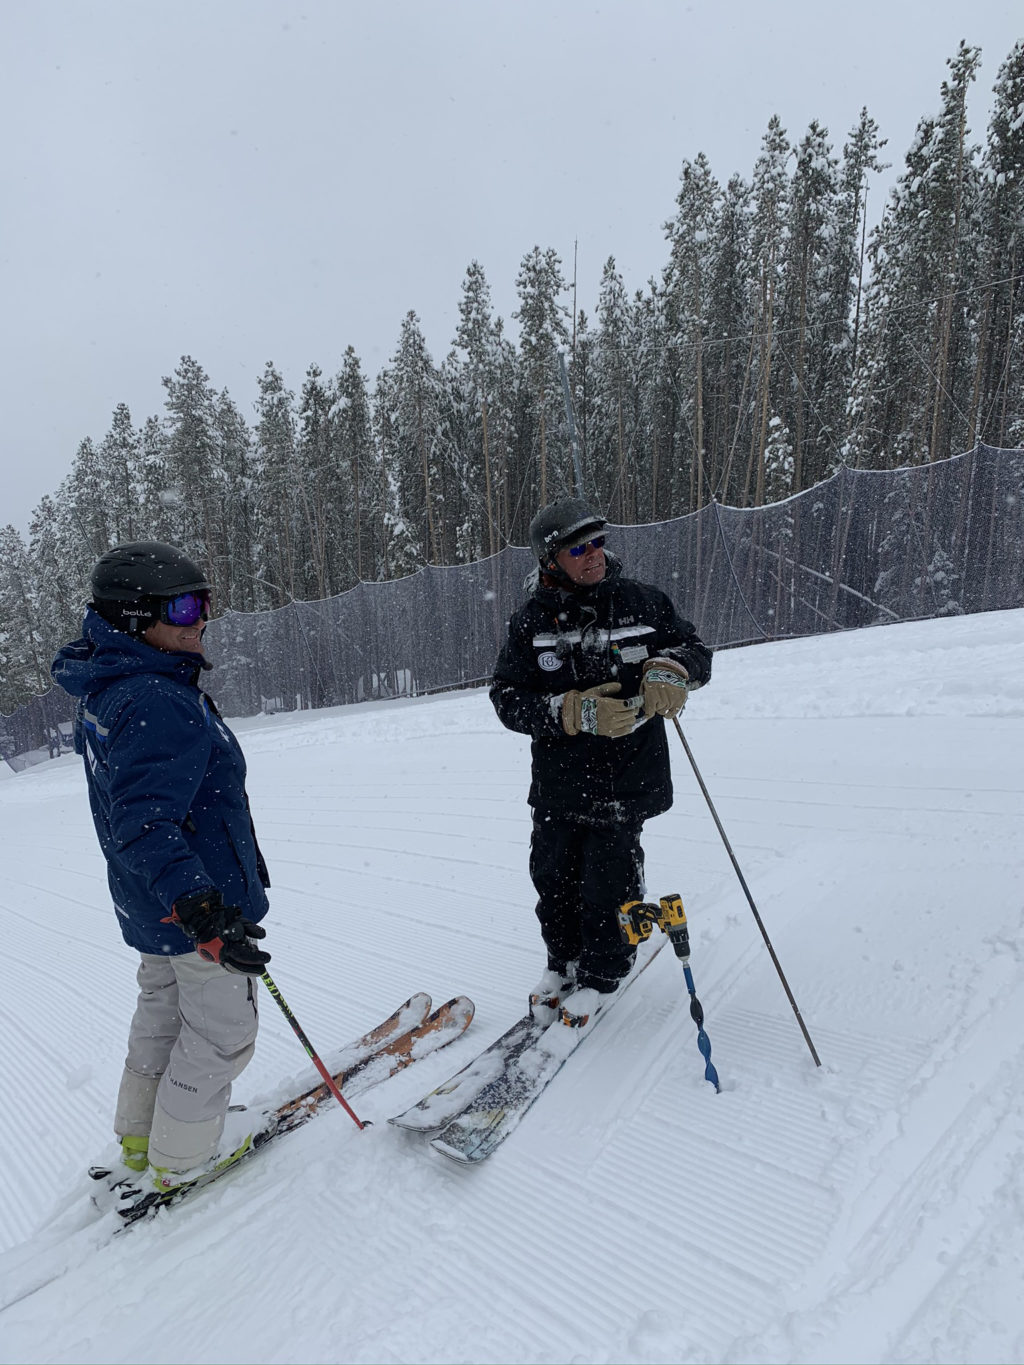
(582, 873)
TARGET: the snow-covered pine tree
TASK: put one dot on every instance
(770, 193)
(901, 531)
(234, 569)
(804, 336)
(415, 461)
(323, 493)
(997, 414)
(75, 527)
(60, 572)
(400, 548)
(688, 281)
(501, 427)
(937, 587)
(582, 374)
(780, 549)
(845, 284)
(779, 461)
(657, 403)
(358, 459)
(464, 499)
(158, 502)
(119, 461)
(82, 500)
(484, 410)
(731, 327)
(192, 458)
(956, 245)
(24, 661)
(278, 529)
(911, 387)
(607, 413)
(542, 464)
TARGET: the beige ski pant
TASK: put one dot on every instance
(193, 1032)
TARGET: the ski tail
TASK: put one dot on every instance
(347, 1064)
(448, 1022)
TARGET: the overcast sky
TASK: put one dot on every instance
(254, 180)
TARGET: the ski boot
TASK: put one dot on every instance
(546, 996)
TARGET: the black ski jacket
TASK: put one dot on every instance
(563, 639)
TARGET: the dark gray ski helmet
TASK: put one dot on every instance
(145, 568)
(560, 524)
(130, 581)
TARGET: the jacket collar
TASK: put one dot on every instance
(554, 595)
(105, 655)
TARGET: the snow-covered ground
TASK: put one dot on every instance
(873, 1210)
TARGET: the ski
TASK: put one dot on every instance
(471, 1114)
(446, 1101)
(499, 1108)
(351, 1059)
(403, 1038)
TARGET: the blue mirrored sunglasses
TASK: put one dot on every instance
(597, 543)
(185, 609)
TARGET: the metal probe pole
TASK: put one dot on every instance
(746, 892)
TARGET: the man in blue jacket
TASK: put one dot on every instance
(166, 781)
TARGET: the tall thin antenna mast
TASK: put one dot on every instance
(574, 440)
(575, 247)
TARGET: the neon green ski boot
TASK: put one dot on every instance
(135, 1152)
(165, 1181)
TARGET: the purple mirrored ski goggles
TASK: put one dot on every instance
(185, 609)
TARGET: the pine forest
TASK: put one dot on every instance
(781, 341)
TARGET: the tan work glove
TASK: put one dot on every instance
(664, 688)
(597, 712)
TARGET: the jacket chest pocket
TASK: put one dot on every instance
(238, 841)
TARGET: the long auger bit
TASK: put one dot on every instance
(637, 921)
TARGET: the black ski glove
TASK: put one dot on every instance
(220, 933)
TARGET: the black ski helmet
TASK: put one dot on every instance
(129, 582)
(560, 524)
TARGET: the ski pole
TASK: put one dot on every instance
(268, 981)
(636, 921)
(746, 892)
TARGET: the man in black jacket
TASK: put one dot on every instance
(592, 664)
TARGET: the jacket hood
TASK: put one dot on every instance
(104, 655)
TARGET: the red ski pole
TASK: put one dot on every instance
(268, 981)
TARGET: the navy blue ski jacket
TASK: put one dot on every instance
(166, 782)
